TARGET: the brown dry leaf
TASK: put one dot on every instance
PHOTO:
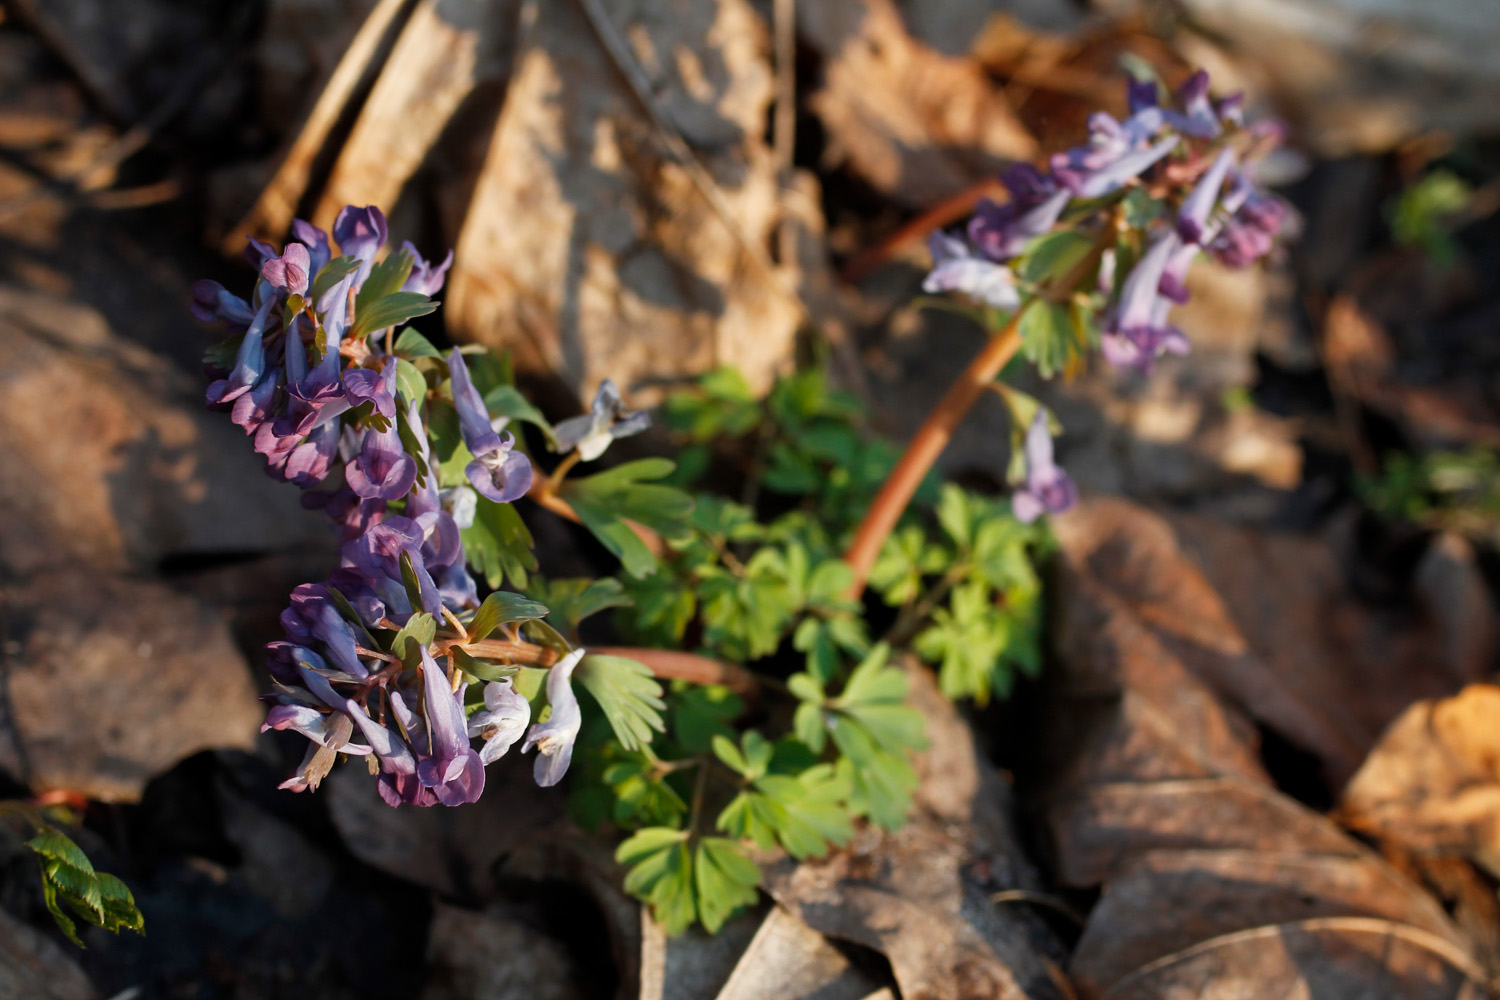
(915, 895)
(1432, 785)
(917, 125)
(787, 960)
(446, 50)
(1266, 622)
(1215, 884)
(591, 253)
(271, 215)
(595, 238)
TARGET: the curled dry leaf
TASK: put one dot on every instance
(1432, 784)
(1215, 884)
(916, 895)
(918, 125)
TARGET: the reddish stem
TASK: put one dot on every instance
(925, 447)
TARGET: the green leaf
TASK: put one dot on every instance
(882, 783)
(814, 809)
(700, 712)
(224, 353)
(49, 896)
(664, 605)
(605, 500)
(507, 401)
(391, 310)
(1050, 257)
(1047, 336)
(641, 793)
(726, 881)
(499, 545)
(385, 277)
(420, 629)
(54, 844)
(410, 385)
(502, 608)
(575, 599)
(628, 693)
(331, 274)
(409, 579)
(752, 816)
(661, 874)
(481, 670)
(412, 344)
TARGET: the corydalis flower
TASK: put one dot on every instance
(447, 764)
(956, 268)
(1138, 332)
(1047, 489)
(1000, 232)
(606, 421)
(497, 471)
(502, 721)
(554, 738)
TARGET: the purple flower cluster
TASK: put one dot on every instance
(1193, 158)
(1195, 141)
(319, 397)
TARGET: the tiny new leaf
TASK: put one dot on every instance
(501, 608)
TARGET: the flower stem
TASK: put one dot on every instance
(925, 447)
(667, 664)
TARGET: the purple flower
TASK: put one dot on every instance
(290, 272)
(554, 738)
(257, 252)
(316, 242)
(1096, 173)
(1047, 488)
(360, 232)
(502, 721)
(382, 469)
(309, 462)
(313, 617)
(213, 302)
(1137, 332)
(426, 278)
(1193, 222)
(1197, 117)
(957, 269)
(310, 723)
(449, 766)
(249, 361)
(606, 421)
(1000, 232)
(378, 388)
(398, 765)
(497, 472)
(1249, 232)
(377, 556)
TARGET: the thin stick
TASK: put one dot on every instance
(925, 447)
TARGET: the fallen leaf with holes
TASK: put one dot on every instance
(1215, 884)
(920, 896)
(918, 125)
(1432, 785)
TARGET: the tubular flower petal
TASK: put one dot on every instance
(554, 738)
(1047, 489)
